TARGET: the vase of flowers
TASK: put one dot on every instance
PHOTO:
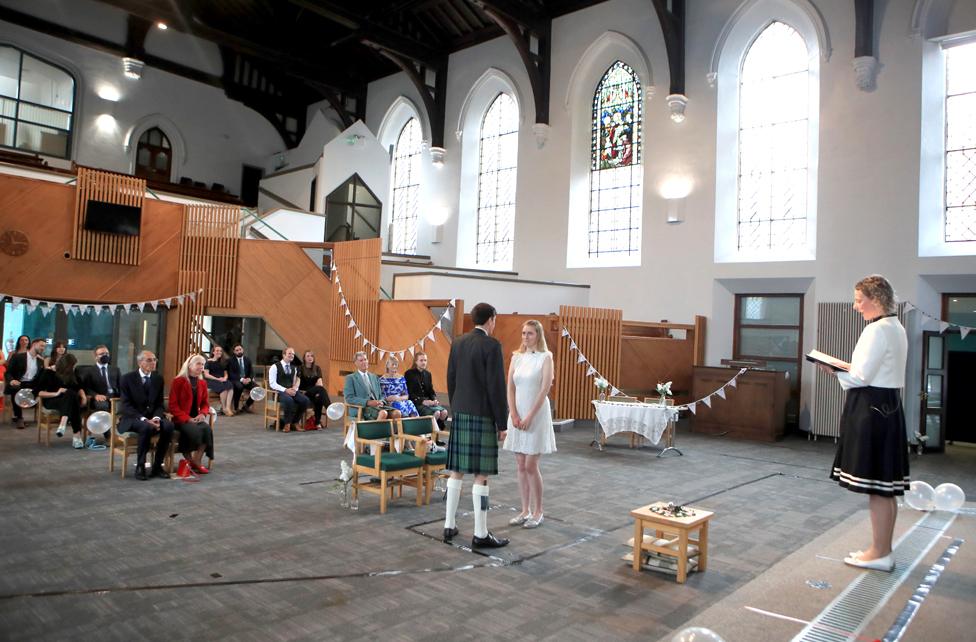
(664, 389)
(601, 385)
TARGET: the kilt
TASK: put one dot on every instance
(872, 452)
(473, 445)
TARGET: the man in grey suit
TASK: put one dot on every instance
(476, 388)
(362, 388)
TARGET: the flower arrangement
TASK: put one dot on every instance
(672, 510)
(342, 487)
(601, 385)
(664, 389)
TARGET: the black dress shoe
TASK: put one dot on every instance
(449, 533)
(489, 541)
(141, 473)
(159, 472)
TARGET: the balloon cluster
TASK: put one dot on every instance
(921, 496)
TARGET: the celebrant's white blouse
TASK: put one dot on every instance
(879, 357)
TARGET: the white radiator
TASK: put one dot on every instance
(838, 328)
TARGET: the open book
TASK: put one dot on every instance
(815, 356)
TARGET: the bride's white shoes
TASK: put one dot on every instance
(533, 522)
(518, 520)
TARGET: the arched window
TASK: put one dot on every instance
(960, 144)
(774, 105)
(36, 104)
(496, 182)
(406, 188)
(614, 228)
(154, 156)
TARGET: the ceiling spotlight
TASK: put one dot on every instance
(132, 68)
(162, 26)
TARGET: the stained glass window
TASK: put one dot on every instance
(774, 115)
(615, 165)
(960, 120)
(496, 182)
(406, 188)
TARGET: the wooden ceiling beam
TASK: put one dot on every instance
(673, 26)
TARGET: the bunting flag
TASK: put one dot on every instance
(430, 335)
(97, 308)
(614, 391)
(943, 325)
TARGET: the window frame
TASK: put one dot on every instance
(493, 243)
(407, 160)
(945, 142)
(72, 114)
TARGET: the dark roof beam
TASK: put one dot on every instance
(673, 26)
(434, 97)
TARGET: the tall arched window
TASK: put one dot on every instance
(154, 155)
(36, 104)
(496, 182)
(614, 228)
(960, 142)
(774, 105)
(406, 188)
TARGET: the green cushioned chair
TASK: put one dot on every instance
(434, 463)
(393, 470)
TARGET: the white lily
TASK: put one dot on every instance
(664, 388)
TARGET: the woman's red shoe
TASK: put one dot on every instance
(200, 470)
(184, 471)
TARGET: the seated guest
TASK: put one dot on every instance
(394, 388)
(144, 414)
(310, 382)
(191, 415)
(215, 372)
(59, 389)
(283, 377)
(420, 387)
(101, 381)
(23, 370)
(58, 351)
(362, 388)
(242, 377)
(21, 345)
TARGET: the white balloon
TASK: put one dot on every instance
(920, 496)
(335, 411)
(99, 422)
(697, 634)
(25, 398)
(949, 497)
(258, 394)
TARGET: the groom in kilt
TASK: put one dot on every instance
(476, 388)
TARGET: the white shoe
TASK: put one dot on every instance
(885, 563)
(61, 426)
(532, 522)
(77, 442)
(518, 520)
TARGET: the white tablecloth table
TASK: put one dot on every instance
(646, 419)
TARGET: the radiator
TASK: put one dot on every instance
(838, 328)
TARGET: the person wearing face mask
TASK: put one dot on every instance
(23, 371)
(242, 376)
(101, 381)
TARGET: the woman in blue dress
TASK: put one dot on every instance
(395, 389)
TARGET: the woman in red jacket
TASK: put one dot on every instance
(191, 414)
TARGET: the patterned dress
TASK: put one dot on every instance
(398, 386)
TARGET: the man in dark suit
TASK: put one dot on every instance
(476, 389)
(101, 381)
(242, 376)
(143, 413)
(23, 371)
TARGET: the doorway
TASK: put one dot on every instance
(949, 375)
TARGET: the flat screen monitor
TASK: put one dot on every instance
(113, 218)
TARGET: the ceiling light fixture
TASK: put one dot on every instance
(132, 68)
(162, 26)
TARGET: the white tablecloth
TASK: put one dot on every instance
(648, 420)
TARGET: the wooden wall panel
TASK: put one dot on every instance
(646, 361)
(279, 282)
(404, 321)
(358, 266)
(508, 330)
(597, 334)
(108, 187)
(45, 212)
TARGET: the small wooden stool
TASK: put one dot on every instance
(680, 528)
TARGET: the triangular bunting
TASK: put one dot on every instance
(348, 313)
(707, 401)
(565, 332)
(193, 296)
(421, 343)
(732, 381)
(352, 323)
(382, 354)
(963, 330)
(141, 305)
(179, 299)
(720, 392)
(46, 310)
(447, 314)
(154, 304)
(372, 349)
(168, 302)
(581, 358)
(572, 345)
(614, 391)
(358, 334)
(943, 326)
(909, 307)
(411, 351)
(98, 310)
(430, 335)
(692, 407)
(453, 302)
(400, 355)
(590, 371)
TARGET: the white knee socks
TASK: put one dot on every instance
(453, 497)
(479, 491)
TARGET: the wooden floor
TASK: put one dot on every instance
(261, 550)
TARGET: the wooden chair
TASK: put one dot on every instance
(48, 420)
(434, 463)
(350, 415)
(127, 443)
(390, 468)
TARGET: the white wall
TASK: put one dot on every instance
(220, 134)
(867, 184)
(509, 296)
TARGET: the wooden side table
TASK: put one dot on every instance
(678, 530)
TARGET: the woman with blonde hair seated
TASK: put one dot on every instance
(395, 390)
(191, 415)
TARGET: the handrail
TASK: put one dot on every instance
(245, 212)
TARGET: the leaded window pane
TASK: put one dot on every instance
(498, 155)
(406, 188)
(36, 103)
(774, 110)
(960, 162)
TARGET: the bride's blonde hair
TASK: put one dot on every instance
(541, 346)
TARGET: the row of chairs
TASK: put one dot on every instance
(396, 468)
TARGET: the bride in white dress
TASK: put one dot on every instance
(530, 432)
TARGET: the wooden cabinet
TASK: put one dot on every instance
(754, 409)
